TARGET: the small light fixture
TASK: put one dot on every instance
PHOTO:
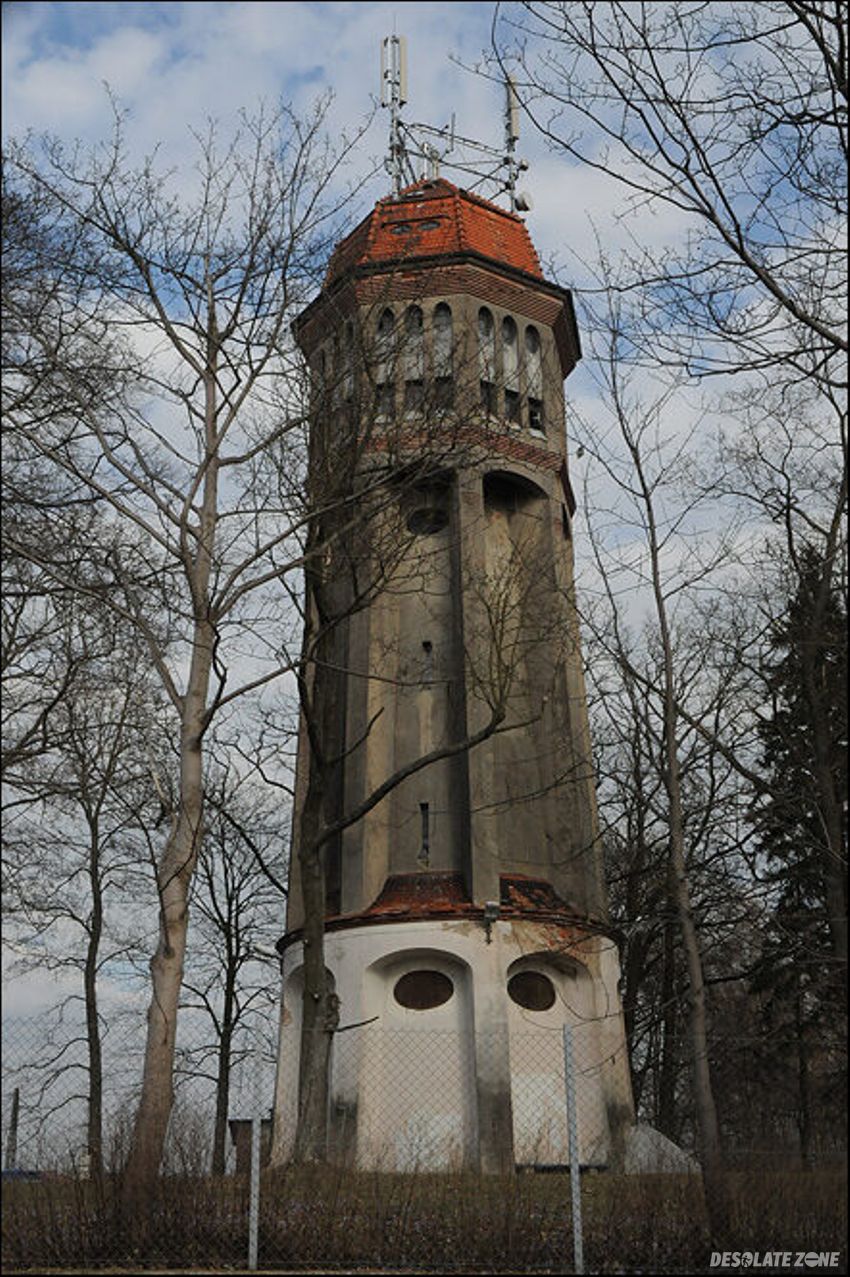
(491, 915)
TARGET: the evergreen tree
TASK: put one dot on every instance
(800, 978)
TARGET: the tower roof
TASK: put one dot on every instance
(432, 218)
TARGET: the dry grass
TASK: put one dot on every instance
(329, 1220)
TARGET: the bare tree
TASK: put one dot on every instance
(731, 120)
(646, 464)
(238, 900)
(77, 846)
(187, 296)
(734, 119)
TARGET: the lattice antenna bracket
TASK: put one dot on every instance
(488, 166)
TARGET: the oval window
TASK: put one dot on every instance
(531, 990)
(422, 990)
(426, 521)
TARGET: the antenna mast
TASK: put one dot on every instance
(511, 139)
(394, 95)
(487, 164)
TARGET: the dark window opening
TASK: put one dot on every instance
(425, 835)
(512, 406)
(444, 392)
(385, 399)
(427, 509)
(418, 224)
(414, 396)
(565, 522)
(509, 493)
(428, 664)
(531, 990)
(488, 397)
(427, 520)
(535, 415)
(423, 990)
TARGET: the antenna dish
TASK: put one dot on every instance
(524, 202)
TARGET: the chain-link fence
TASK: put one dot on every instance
(436, 1145)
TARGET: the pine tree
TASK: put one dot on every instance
(801, 978)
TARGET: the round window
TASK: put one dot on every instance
(426, 520)
(531, 990)
(422, 990)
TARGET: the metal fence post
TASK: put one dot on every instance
(572, 1139)
(256, 1129)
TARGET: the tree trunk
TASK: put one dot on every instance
(174, 873)
(668, 1069)
(829, 802)
(804, 1110)
(707, 1125)
(173, 878)
(94, 1116)
(320, 1014)
(222, 1082)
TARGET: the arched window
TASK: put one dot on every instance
(487, 360)
(510, 365)
(414, 360)
(384, 361)
(443, 356)
(534, 380)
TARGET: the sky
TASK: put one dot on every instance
(174, 65)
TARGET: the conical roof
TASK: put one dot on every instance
(430, 219)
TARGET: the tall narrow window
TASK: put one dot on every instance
(534, 381)
(424, 836)
(384, 366)
(510, 364)
(487, 360)
(443, 356)
(414, 360)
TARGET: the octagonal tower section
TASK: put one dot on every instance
(466, 911)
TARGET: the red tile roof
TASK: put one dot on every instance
(431, 218)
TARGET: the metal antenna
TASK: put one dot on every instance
(394, 95)
(511, 138)
(486, 164)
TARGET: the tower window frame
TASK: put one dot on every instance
(413, 361)
(486, 361)
(533, 358)
(442, 355)
(511, 371)
(385, 365)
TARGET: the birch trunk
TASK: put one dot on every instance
(175, 870)
(707, 1125)
(166, 967)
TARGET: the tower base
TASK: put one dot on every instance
(449, 1053)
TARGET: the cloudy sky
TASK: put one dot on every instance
(176, 64)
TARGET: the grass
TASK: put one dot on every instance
(327, 1219)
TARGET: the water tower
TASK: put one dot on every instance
(466, 915)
